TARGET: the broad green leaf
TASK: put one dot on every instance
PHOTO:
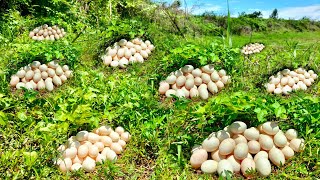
(22, 115)
(3, 118)
(280, 111)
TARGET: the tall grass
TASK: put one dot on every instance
(163, 133)
(229, 27)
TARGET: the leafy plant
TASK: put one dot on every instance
(200, 55)
(33, 125)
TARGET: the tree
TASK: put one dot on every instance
(243, 14)
(256, 14)
(274, 14)
(176, 4)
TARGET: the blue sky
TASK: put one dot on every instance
(294, 9)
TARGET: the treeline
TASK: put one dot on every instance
(246, 23)
(16, 16)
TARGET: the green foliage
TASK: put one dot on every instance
(37, 7)
(200, 55)
(255, 14)
(12, 24)
(229, 27)
(19, 55)
(34, 124)
(274, 14)
(245, 25)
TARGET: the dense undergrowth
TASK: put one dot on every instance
(163, 131)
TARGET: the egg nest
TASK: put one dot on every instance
(46, 32)
(37, 76)
(239, 149)
(86, 149)
(287, 81)
(252, 48)
(188, 82)
(124, 52)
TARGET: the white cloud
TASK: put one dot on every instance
(312, 12)
(266, 13)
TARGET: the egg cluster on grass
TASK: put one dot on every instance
(86, 149)
(189, 82)
(286, 81)
(252, 48)
(39, 76)
(238, 149)
(46, 32)
(125, 52)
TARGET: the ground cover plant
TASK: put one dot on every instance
(33, 125)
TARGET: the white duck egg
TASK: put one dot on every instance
(209, 166)
(227, 146)
(291, 134)
(170, 92)
(238, 127)
(89, 164)
(164, 87)
(224, 168)
(276, 156)
(254, 147)
(196, 72)
(241, 151)
(211, 144)
(266, 142)
(117, 148)
(197, 81)
(280, 139)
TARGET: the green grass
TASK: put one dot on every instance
(278, 38)
(163, 133)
